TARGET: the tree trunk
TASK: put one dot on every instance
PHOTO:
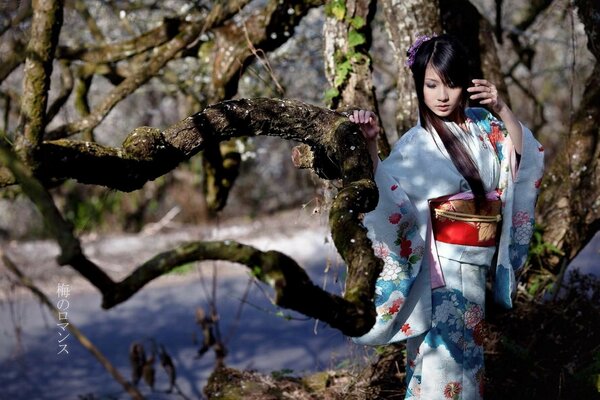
(569, 206)
(404, 21)
(347, 36)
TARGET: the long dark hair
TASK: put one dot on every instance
(449, 59)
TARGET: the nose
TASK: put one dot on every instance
(443, 94)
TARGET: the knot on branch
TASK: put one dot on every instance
(144, 143)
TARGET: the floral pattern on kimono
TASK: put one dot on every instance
(519, 186)
(399, 244)
(443, 323)
(397, 227)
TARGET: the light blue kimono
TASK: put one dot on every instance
(433, 293)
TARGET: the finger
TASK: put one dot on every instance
(480, 82)
(477, 89)
(482, 95)
(365, 116)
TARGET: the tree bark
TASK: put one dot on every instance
(569, 205)
(404, 21)
(45, 28)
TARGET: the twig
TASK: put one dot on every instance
(85, 342)
(151, 229)
(260, 54)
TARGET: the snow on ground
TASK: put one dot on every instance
(260, 339)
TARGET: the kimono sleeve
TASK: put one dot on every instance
(403, 290)
(518, 186)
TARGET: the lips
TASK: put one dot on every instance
(443, 108)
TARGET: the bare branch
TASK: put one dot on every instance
(113, 52)
(45, 28)
(161, 55)
(60, 229)
(294, 290)
(66, 79)
(148, 153)
(81, 7)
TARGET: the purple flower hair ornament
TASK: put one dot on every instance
(412, 51)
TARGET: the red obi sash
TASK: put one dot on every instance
(454, 221)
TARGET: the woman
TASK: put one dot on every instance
(456, 199)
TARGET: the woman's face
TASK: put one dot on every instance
(440, 99)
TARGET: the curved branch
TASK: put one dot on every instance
(293, 287)
(148, 153)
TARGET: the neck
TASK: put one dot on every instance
(457, 116)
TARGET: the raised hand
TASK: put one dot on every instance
(487, 94)
(367, 120)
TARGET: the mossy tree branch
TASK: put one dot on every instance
(148, 153)
(45, 28)
(341, 142)
(294, 290)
